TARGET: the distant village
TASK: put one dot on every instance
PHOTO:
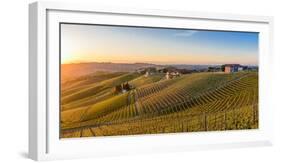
(173, 72)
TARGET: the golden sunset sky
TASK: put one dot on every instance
(120, 44)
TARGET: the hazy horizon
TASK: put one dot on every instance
(151, 63)
(161, 46)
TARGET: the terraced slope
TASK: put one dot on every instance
(143, 80)
(90, 94)
(194, 102)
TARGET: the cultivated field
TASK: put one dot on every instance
(92, 105)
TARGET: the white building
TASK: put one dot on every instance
(170, 75)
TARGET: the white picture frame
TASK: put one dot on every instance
(44, 142)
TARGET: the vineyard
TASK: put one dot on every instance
(192, 102)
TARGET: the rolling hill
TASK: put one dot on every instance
(90, 106)
(75, 70)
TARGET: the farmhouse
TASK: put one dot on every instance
(228, 68)
(171, 75)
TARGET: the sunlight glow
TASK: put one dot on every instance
(96, 43)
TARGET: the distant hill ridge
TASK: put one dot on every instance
(74, 70)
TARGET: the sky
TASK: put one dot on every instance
(123, 44)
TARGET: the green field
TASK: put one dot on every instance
(205, 101)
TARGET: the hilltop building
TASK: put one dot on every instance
(229, 68)
(171, 75)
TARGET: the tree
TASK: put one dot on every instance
(118, 88)
(126, 86)
(222, 67)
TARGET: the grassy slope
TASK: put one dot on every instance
(96, 88)
(93, 111)
(94, 100)
(181, 89)
(142, 80)
(79, 83)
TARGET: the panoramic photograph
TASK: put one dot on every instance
(128, 80)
